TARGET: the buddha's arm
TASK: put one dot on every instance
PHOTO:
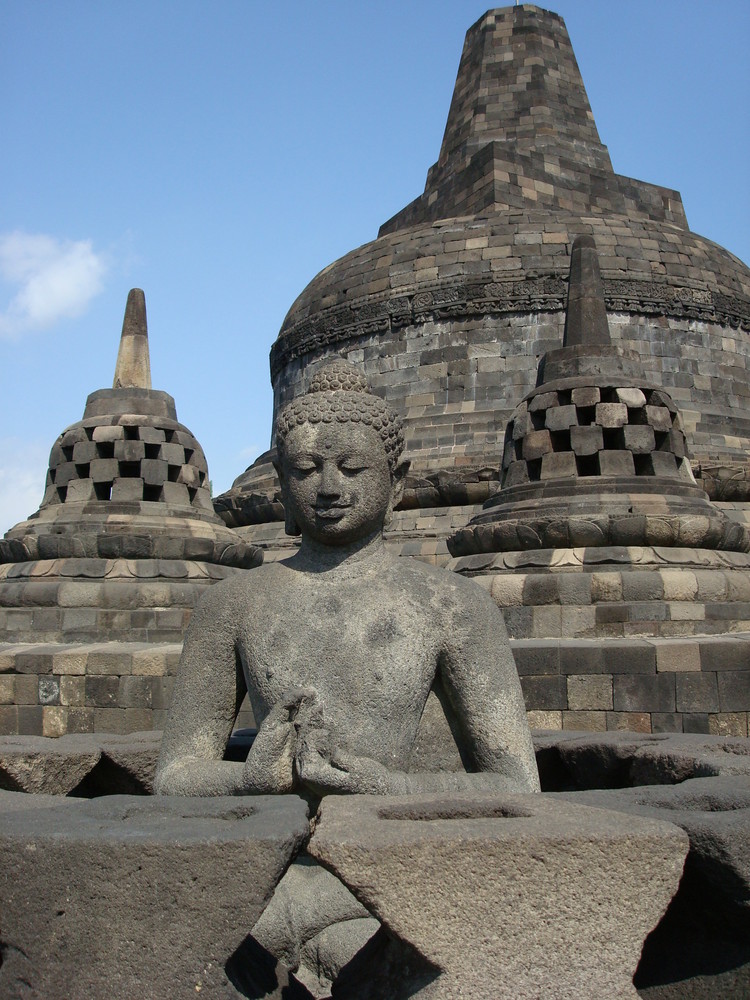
(480, 678)
(207, 695)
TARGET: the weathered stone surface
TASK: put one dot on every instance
(542, 900)
(127, 897)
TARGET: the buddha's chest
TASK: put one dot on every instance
(375, 655)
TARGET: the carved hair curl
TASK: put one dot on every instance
(339, 393)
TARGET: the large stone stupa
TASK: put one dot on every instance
(450, 309)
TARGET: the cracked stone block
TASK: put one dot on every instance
(517, 474)
(174, 454)
(108, 433)
(152, 435)
(500, 926)
(154, 471)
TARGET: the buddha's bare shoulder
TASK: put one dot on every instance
(449, 589)
(242, 589)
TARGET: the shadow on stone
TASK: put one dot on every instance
(696, 951)
(385, 967)
(256, 974)
(108, 778)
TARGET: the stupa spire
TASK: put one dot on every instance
(133, 369)
(586, 315)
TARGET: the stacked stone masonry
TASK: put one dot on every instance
(129, 458)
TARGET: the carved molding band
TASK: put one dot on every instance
(467, 299)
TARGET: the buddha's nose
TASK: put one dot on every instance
(330, 480)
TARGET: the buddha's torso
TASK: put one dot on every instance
(369, 645)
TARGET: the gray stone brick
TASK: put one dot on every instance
(696, 693)
(80, 491)
(127, 490)
(586, 440)
(659, 418)
(101, 692)
(536, 444)
(560, 418)
(638, 438)
(633, 398)
(644, 693)
(104, 469)
(586, 396)
(734, 690)
(537, 656)
(559, 465)
(544, 693)
(616, 463)
(611, 414)
(666, 722)
(130, 451)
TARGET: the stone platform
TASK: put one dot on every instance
(120, 862)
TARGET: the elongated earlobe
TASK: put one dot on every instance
(290, 524)
(398, 481)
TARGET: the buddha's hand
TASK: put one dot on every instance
(324, 770)
(269, 768)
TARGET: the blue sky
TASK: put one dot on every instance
(218, 155)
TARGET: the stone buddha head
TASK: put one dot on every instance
(339, 458)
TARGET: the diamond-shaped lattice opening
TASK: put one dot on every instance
(152, 493)
(105, 449)
(535, 470)
(82, 470)
(152, 450)
(103, 490)
(129, 470)
(560, 440)
(131, 433)
(643, 465)
(587, 465)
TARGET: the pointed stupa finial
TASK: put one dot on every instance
(133, 370)
(586, 315)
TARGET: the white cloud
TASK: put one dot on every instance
(23, 469)
(55, 279)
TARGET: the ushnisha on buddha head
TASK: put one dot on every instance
(339, 458)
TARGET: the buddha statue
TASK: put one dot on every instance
(361, 667)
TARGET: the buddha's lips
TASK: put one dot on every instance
(332, 511)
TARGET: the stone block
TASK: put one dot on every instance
(54, 721)
(696, 722)
(80, 491)
(630, 722)
(127, 490)
(73, 691)
(616, 463)
(83, 452)
(105, 433)
(174, 454)
(644, 693)
(516, 475)
(154, 471)
(536, 444)
(672, 656)
(666, 722)
(633, 398)
(544, 720)
(101, 692)
(541, 401)
(545, 693)
(697, 693)
(588, 721)
(587, 692)
(728, 724)
(189, 475)
(586, 440)
(585, 396)
(151, 435)
(130, 451)
(638, 438)
(559, 465)
(199, 874)
(560, 418)
(725, 653)
(175, 493)
(504, 913)
(611, 414)
(660, 463)
(104, 470)
(734, 690)
(659, 418)
(49, 690)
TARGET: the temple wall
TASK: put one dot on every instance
(456, 382)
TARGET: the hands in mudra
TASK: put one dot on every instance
(295, 751)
